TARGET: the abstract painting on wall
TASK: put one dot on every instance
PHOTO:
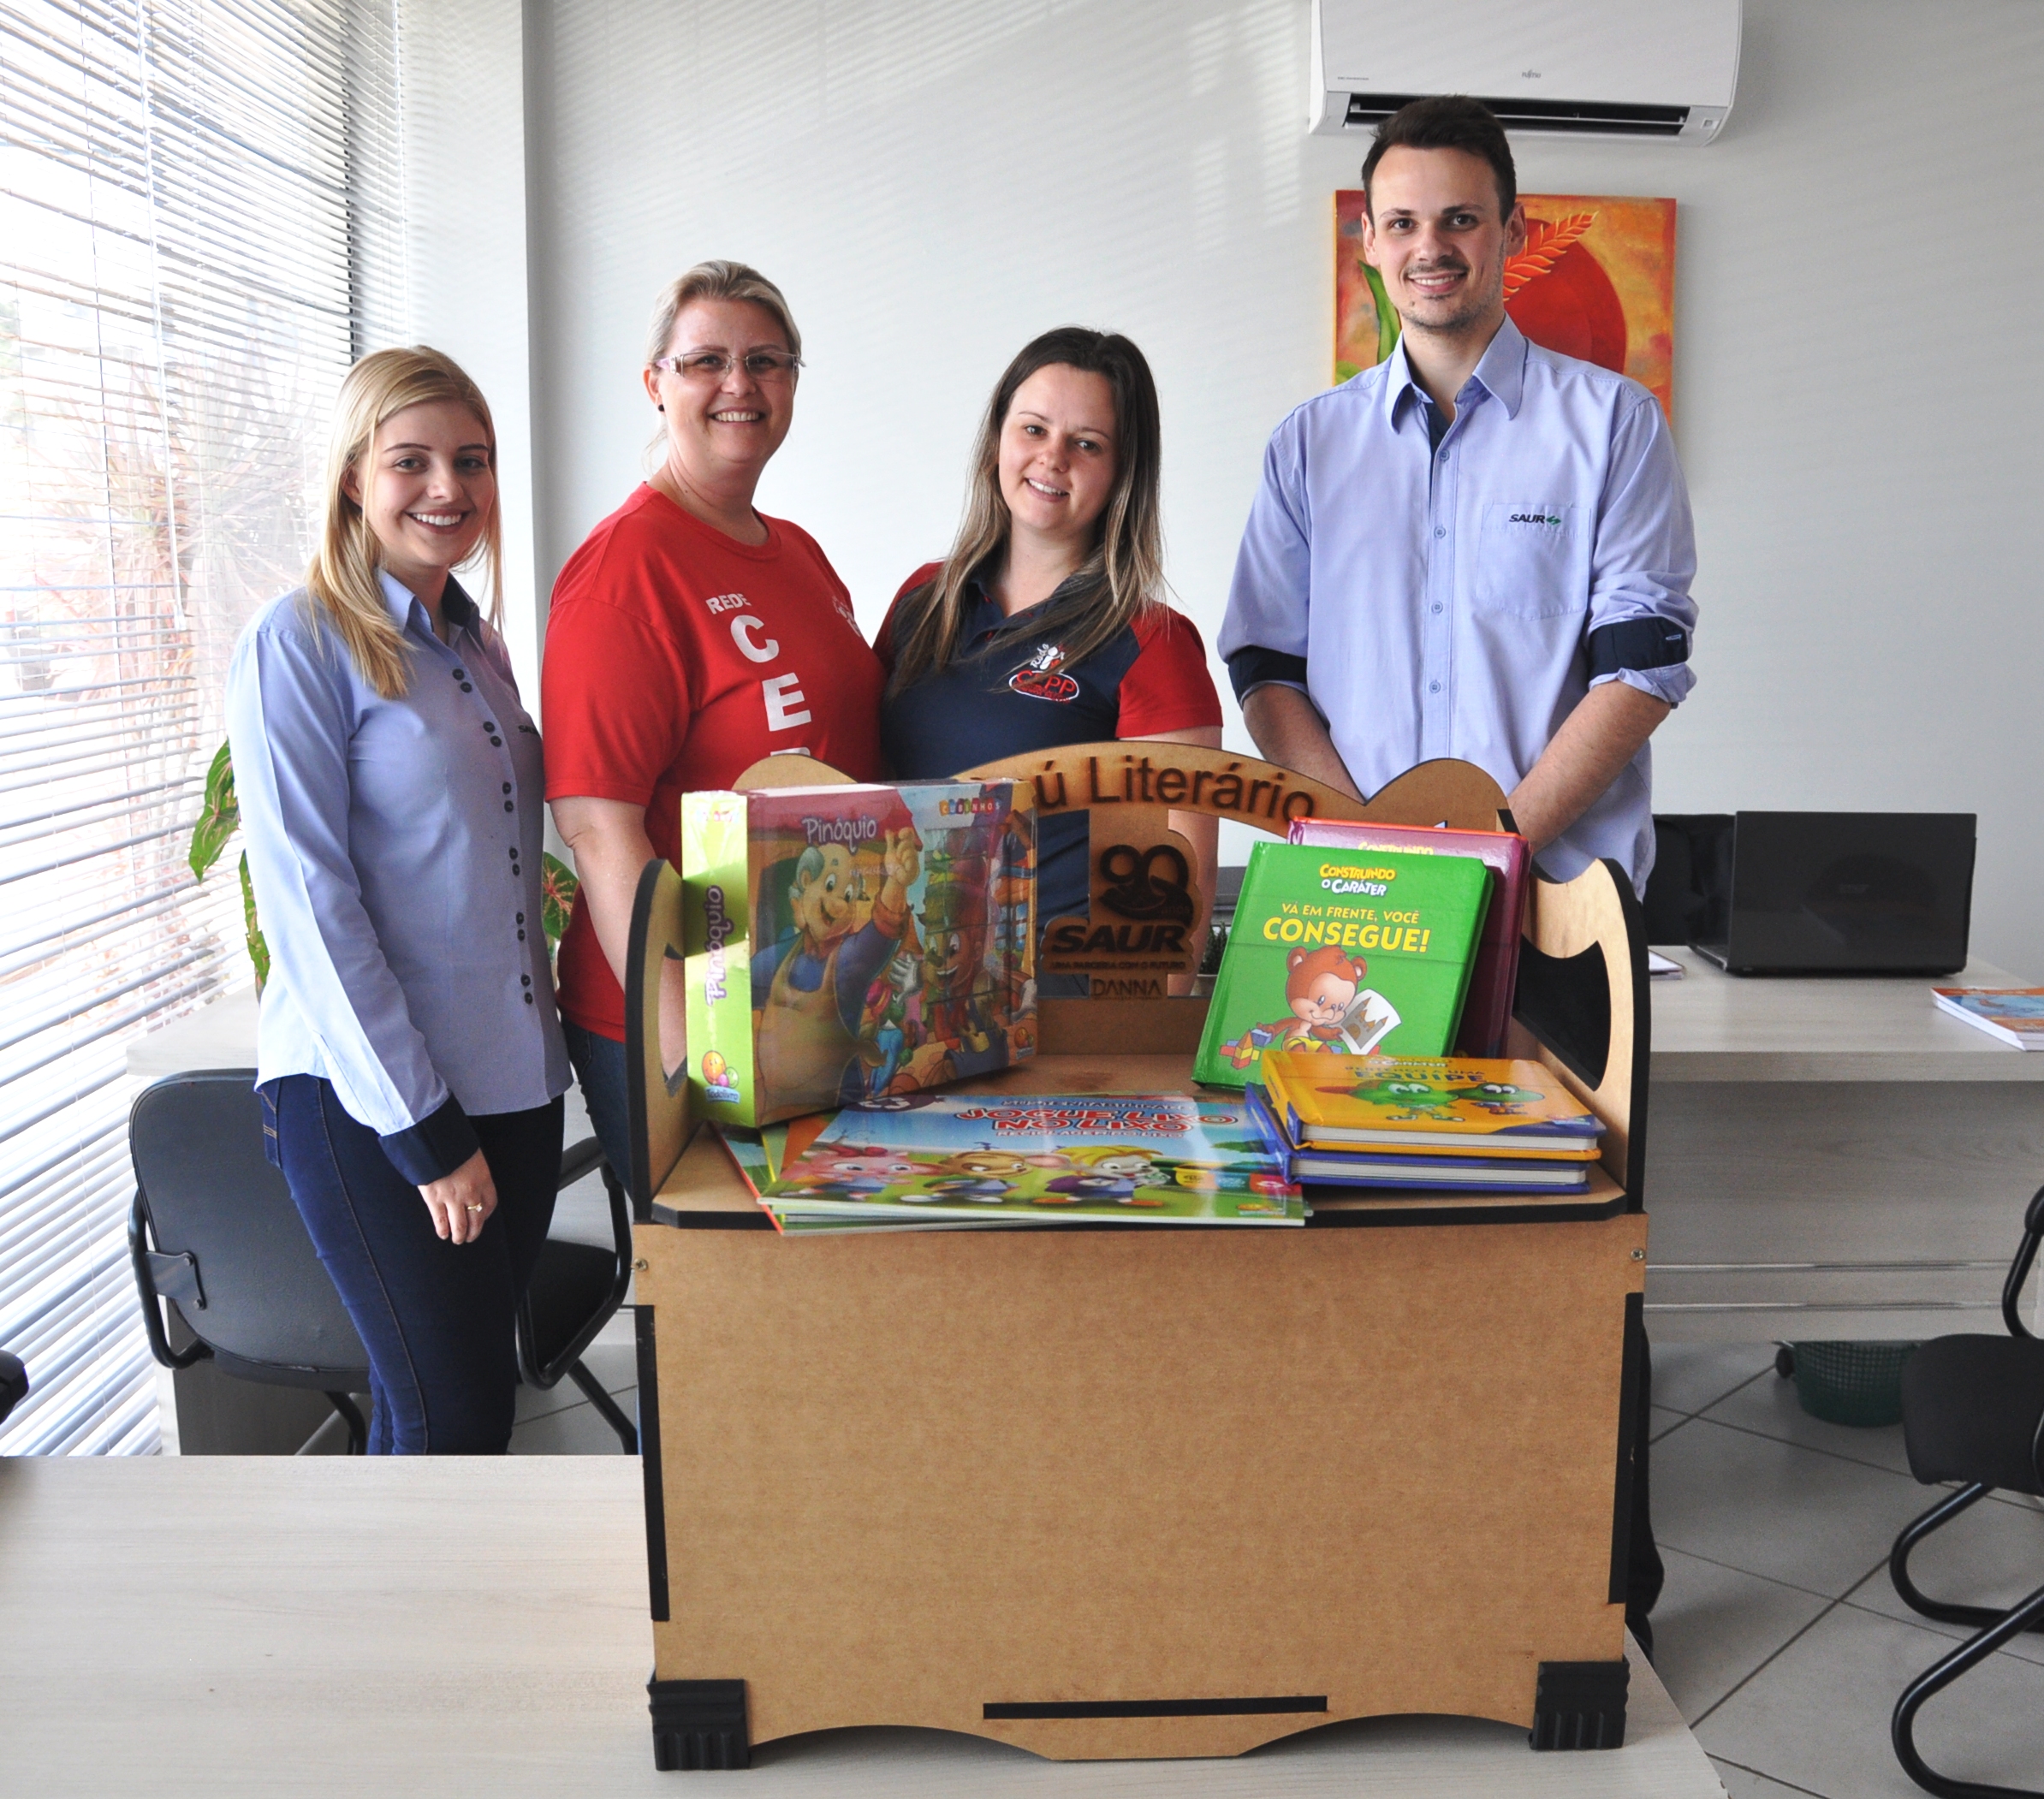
(1597, 280)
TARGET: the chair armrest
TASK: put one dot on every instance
(2026, 1256)
(152, 1316)
(578, 1161)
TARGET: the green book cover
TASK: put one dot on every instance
(1349, 951)
(716, 944)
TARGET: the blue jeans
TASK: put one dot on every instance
(600, 1070)
(438, 1318)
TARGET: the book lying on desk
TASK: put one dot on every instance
(2014, 1014)
(1422, 1172)
(1034, 1158)
(1438, 1105)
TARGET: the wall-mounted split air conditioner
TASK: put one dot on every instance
(1631, 69)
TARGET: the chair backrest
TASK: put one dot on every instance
(255, 1292)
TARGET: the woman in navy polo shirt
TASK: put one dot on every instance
(1046, 623)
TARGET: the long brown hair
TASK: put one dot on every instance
(342, 577)
(1120, 580)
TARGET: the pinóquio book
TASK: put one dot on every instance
(844, 943)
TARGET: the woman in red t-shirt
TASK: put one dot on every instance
(689, 637)
(1046, 625)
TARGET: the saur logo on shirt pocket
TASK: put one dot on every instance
(1529, 563)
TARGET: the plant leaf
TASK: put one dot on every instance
(557, 887)
(1546, 244)
(219, 813)
(259, 951)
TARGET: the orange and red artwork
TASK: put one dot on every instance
(1597, 280)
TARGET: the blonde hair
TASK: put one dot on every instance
(342, 577)
(1119, 583)
(718, 281)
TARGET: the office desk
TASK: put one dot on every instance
(265, 1626)
(1831, 1157)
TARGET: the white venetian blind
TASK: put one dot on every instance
(199, 228)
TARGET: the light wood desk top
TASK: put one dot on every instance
(1713, 1026)
(275, 1626)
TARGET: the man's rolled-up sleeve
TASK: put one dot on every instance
(1263, 635)
(1642, 622)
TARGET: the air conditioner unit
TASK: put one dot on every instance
(1625, 69)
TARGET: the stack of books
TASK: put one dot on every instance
(955, 1161)
(1422, 1123)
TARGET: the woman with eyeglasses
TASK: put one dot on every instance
(690, 636)
(1046, 623)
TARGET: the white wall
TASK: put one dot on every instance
(464, 204)
(932, 183)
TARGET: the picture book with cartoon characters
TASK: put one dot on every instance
(1452, 1105)
(1127, 1159)
(846, 943)
(1487, 1011)
(1342, 952)
(2014, 1014)
(1429, 1171)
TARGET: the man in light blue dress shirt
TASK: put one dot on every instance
(1478, 548)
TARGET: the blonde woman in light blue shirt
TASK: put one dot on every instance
(390, 787)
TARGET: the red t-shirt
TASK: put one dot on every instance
(676, 657)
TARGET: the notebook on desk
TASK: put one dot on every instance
(1847, 893)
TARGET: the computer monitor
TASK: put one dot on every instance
(1848, 892)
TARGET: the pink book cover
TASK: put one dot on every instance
(1487, 1009)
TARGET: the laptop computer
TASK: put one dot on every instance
(1847, 893)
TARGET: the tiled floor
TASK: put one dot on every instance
(1778, 1634)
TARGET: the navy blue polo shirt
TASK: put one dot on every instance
(1009, 692)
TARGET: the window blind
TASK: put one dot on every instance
(200, 228)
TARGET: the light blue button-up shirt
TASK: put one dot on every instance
(394, 846)
(1441, 595)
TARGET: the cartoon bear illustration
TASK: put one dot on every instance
(1331, 1009)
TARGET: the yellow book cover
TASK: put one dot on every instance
(1453, 1105)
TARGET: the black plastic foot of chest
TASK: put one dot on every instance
(699, 1723)
(1580, 1704)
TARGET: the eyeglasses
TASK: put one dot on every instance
(715, 364)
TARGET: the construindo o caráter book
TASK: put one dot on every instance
(1343, 951)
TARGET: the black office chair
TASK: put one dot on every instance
(14, 1384)
(213, 1230)
(1972, 1411)
(576, 1291)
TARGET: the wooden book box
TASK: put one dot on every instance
(1147, 1491)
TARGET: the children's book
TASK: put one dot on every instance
(1487, 1009)
(1338, 952)
(1359, 1167)
(1126, 1159)
(2014, 1014)
(1446, 1105)
(847, 943)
